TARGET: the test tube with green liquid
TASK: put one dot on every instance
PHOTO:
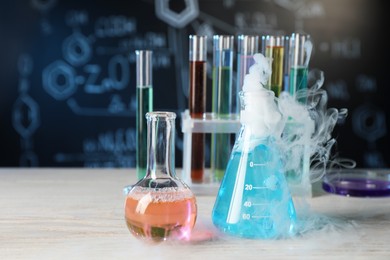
(144, 97)
(298, 157)
(222, 98)
(248, 45)
(274, 49)
(300, 52)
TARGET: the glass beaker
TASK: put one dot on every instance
(160, 206)
(254, 200)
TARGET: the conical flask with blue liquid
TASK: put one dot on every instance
(254, 200)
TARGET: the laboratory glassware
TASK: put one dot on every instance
(160, 206)
(274, 50)
(144, 97)
(300, 51)
(254, 200)
(357, 182)
(222, 101)
(197, 101)
(298, 157)
(286, 64)
(247, 46)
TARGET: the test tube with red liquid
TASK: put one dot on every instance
(197, 101)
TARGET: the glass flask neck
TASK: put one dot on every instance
(161, 144)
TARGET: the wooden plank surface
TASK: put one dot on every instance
(78, 214)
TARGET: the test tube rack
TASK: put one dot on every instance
(208, 124)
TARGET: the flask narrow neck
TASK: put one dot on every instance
(161, 144)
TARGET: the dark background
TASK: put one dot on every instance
(67, 71)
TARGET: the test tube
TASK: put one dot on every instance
(300, 52)
(286, 64)
(263, 39)
(197, 101)
(274, 49)
(298, 158)
(144, 97)
(221, 101)
(248, 45)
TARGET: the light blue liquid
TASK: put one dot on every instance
(254, 200)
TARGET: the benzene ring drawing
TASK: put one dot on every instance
(178, 20)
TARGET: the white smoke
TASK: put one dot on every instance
(258, 75)
(295, 124)
(317, 123)
(301, 130)
(259, 109)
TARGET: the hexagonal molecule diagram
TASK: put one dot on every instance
(58, 80)
(25, 116)
(369, 123)
(173, 18)
(76, 49)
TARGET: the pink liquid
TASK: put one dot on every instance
(166, 214)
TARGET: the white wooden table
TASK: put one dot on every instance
(78, 214)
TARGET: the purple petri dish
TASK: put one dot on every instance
(358, 183)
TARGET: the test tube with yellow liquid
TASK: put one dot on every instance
(274, 50)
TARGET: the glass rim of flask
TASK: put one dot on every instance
(251, 96)
(154, 115)
(264, 92)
